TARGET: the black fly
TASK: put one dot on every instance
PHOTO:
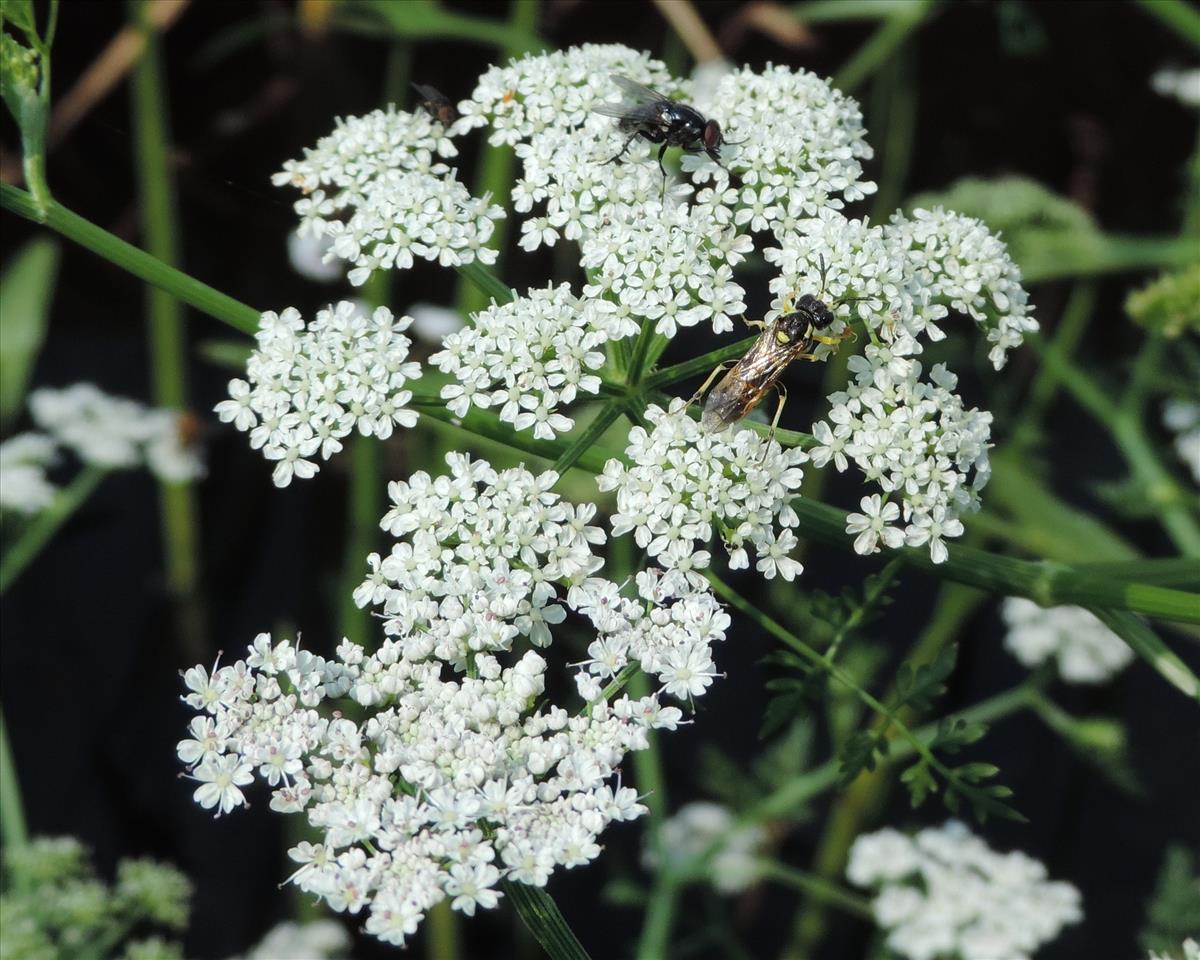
(436, 104)
(644, 113)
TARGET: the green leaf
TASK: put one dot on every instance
(26, 289)
(920, 783)
(230, 354)
(1147, 645)
(859, 754)
(918, 688)
(426, 20)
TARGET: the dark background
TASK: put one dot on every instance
(1055, 91)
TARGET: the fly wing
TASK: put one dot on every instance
(638, 104)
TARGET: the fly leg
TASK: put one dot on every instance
(633, 136)
(781, 392)
(721, 368)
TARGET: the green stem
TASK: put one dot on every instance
(178, 511)
(1116, 253)
(42, 527)
(129, 258)
(792, 795)
(1169, 500)
(905, 18)
(1048, 583)
(14, 832)
(655, 938)
(542, 918)
(780, 632)
(586, 440)
(442, 937)
(1182, 18)
(498, 165)
(1070, 330)
(865, 796)
(895, 87)
(1179, 572)
(697, 365)
(818, 888)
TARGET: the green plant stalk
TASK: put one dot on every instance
(1068, 333)
(14, 832)
(603, 419)
(47, 523)
(659, 917)
(865, 796)
(789, 796)
(442, 941)
(702, 364)
(1116, 253)
(872, 55)
(818, 888)
(892, 718)
(894, 87)
(498, 166)
(835, 11)
(542, 918)
(1048, 583)
(1179, 16)
(1170, 501)
(178, 511)
(129, 258)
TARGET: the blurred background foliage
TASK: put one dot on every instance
(167, 120)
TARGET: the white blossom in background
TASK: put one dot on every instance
(684, 484)
(23, 462)
(1182, 418)
(117, 433)
(945, 894)
(1084, 649)
(432, 323)
(378, 188)
(1183, 85)
(309, 256)
(316, 940)
(530, 357)
(463, 772)
(705, 839)
(308, 387)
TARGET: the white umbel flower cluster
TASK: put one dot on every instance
(1083, 648)
(117, 433)
(315, 940)
(377, 188)
(913, 439)
(309, 387)
(23, 462)
(529, 357)
(944, 893)
(667, 259)
(705, 839)
(463, 773)
(684, 484)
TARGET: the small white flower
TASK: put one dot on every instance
(706, 837)
(872, 525)
(23, 484)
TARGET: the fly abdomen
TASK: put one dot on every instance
(726, 404)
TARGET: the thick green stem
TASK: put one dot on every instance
(47, 523)
(1048, 583)
(1181, 17)
(129, 258)
(1116, 253)
(697, 365)
(541, 916)
(178, 511)
(13, 830)
(818, 888)
(1164, 494)
(905, 18)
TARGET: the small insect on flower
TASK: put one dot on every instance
(791, 336)
(436, 104)
(644, 113)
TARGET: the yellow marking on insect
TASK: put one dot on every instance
(781, 337)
